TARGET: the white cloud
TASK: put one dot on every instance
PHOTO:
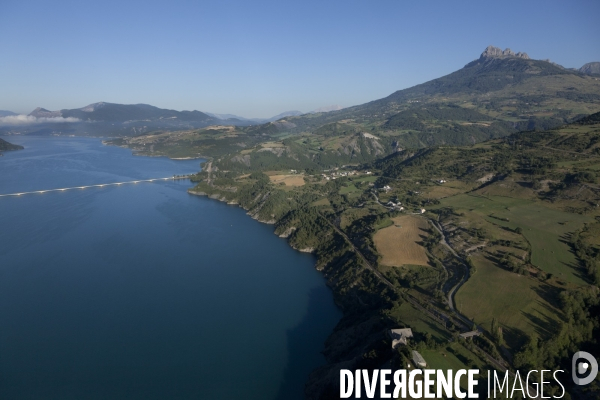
(15, 120)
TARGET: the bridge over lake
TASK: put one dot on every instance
(95, 186)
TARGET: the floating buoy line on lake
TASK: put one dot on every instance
(94, 186)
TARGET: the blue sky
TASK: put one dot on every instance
(259, 58)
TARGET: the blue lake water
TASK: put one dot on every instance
(143, 291)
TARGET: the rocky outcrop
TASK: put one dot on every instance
(496, 52)
(43, 113)
(244, 159)
(287, 232)
(591, 68)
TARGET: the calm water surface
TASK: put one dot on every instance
(144, 291)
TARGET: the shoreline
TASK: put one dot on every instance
(362, 326)
(357, 292)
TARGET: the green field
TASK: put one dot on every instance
(349, 189)
(453, 357)
(365, 179)
(521, 305)
(547, 230)
(407, 315)
(383, 224)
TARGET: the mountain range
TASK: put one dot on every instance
(112, 119)
(109, 112)
(495, 95)
(293, 113)
(230, 117)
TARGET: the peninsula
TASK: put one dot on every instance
(6, 146)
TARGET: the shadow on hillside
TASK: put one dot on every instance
(551, 294)
(515, 337)
(543, 325)
(576, 267)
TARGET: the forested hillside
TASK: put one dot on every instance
(500, 237)
(6, 146)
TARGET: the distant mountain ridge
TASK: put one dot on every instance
(110, 112)
(43, 113)
(233, 117)
(110, 119)
(510, 90)
(333, 107)
(284, 114)
(6, 113)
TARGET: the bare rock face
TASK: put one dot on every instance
(590, 68)
(496, 52)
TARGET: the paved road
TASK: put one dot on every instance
(464, 278)
(441, 318)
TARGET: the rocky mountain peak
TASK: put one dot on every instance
(590, 68)
(496, 52)
(43, 113)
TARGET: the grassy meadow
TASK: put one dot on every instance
(522, 305)
(547, 230)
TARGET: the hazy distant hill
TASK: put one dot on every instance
(5, 113)
(109, 119)
(333, 107)
(109, 112)
(286, 114)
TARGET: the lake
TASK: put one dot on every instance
(143, 291)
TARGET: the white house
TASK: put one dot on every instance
(399, 336)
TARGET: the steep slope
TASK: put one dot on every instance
(511, 90)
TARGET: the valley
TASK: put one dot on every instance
(465, 208)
